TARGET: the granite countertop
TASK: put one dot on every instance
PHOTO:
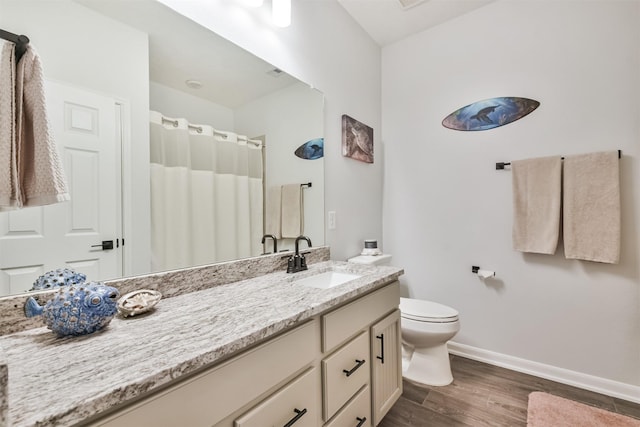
(62, 381)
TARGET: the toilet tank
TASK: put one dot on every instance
(384, 259)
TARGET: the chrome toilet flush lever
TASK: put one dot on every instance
(297, 262)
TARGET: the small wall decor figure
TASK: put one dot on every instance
(357, 140)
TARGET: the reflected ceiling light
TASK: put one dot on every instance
(281, 13)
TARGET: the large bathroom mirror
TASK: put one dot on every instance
(150, 107)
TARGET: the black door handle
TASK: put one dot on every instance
(105, 245)
(381, 338)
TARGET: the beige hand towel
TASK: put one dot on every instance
(272, 219)
(536, 204)
(591, 218)
(292, 211)
(7, 126)
(39, 169)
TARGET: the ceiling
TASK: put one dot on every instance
(230, 75)
(387, 21)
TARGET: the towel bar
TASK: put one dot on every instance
(501, 165)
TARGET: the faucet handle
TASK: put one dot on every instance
(291, 265)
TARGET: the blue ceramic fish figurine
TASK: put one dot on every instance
(56, 278)
(78, 309)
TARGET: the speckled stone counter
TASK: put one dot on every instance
(62, 381)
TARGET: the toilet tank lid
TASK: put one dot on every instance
(426, 309)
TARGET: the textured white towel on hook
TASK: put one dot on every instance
(40, 174)
(7, 124)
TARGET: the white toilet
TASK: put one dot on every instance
(426, 327)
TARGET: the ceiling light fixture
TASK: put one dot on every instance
(281, 13)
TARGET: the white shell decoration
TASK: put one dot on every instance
(137, 302)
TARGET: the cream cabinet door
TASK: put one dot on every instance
(386, 365)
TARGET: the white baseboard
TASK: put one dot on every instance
(576, 379)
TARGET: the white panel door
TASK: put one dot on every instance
(35, 240)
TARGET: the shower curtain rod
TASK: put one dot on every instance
(21, 42)
(199, 129)
(501, 165)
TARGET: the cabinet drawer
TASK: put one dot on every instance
(345, 322)
(296, 404)
(207, 398)
(344, 373)
(357, 413)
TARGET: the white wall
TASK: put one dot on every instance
(83, 48)
(327, 49)
(177, 104)
(288, 118)
(446, 208)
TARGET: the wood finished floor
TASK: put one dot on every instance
(486, 395)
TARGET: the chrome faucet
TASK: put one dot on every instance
(297, 262)
(275, 242)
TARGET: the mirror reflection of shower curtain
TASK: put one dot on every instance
(206, 195)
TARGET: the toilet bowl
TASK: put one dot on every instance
(426, 327)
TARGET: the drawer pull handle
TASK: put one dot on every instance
(299, 415)
(381, 338)
(358, 364)
(361, 421)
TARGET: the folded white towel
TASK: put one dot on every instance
(591, 207)
(292, 214)
(536, 204)
(7, 125)
(272, 218)
(39, 169)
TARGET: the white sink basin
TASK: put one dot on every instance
(327, 280)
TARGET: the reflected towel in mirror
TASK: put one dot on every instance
(292, 212)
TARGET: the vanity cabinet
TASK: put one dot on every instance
(356, 326)
(330, 371)
(207, 399)
(386, 365)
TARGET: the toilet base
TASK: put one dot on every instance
(428, 366)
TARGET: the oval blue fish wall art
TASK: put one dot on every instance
(311, 150)
(490, 113)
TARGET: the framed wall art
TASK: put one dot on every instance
(357, 140)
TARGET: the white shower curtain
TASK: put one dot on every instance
(206, 194)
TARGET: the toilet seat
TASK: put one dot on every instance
(426, 311)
